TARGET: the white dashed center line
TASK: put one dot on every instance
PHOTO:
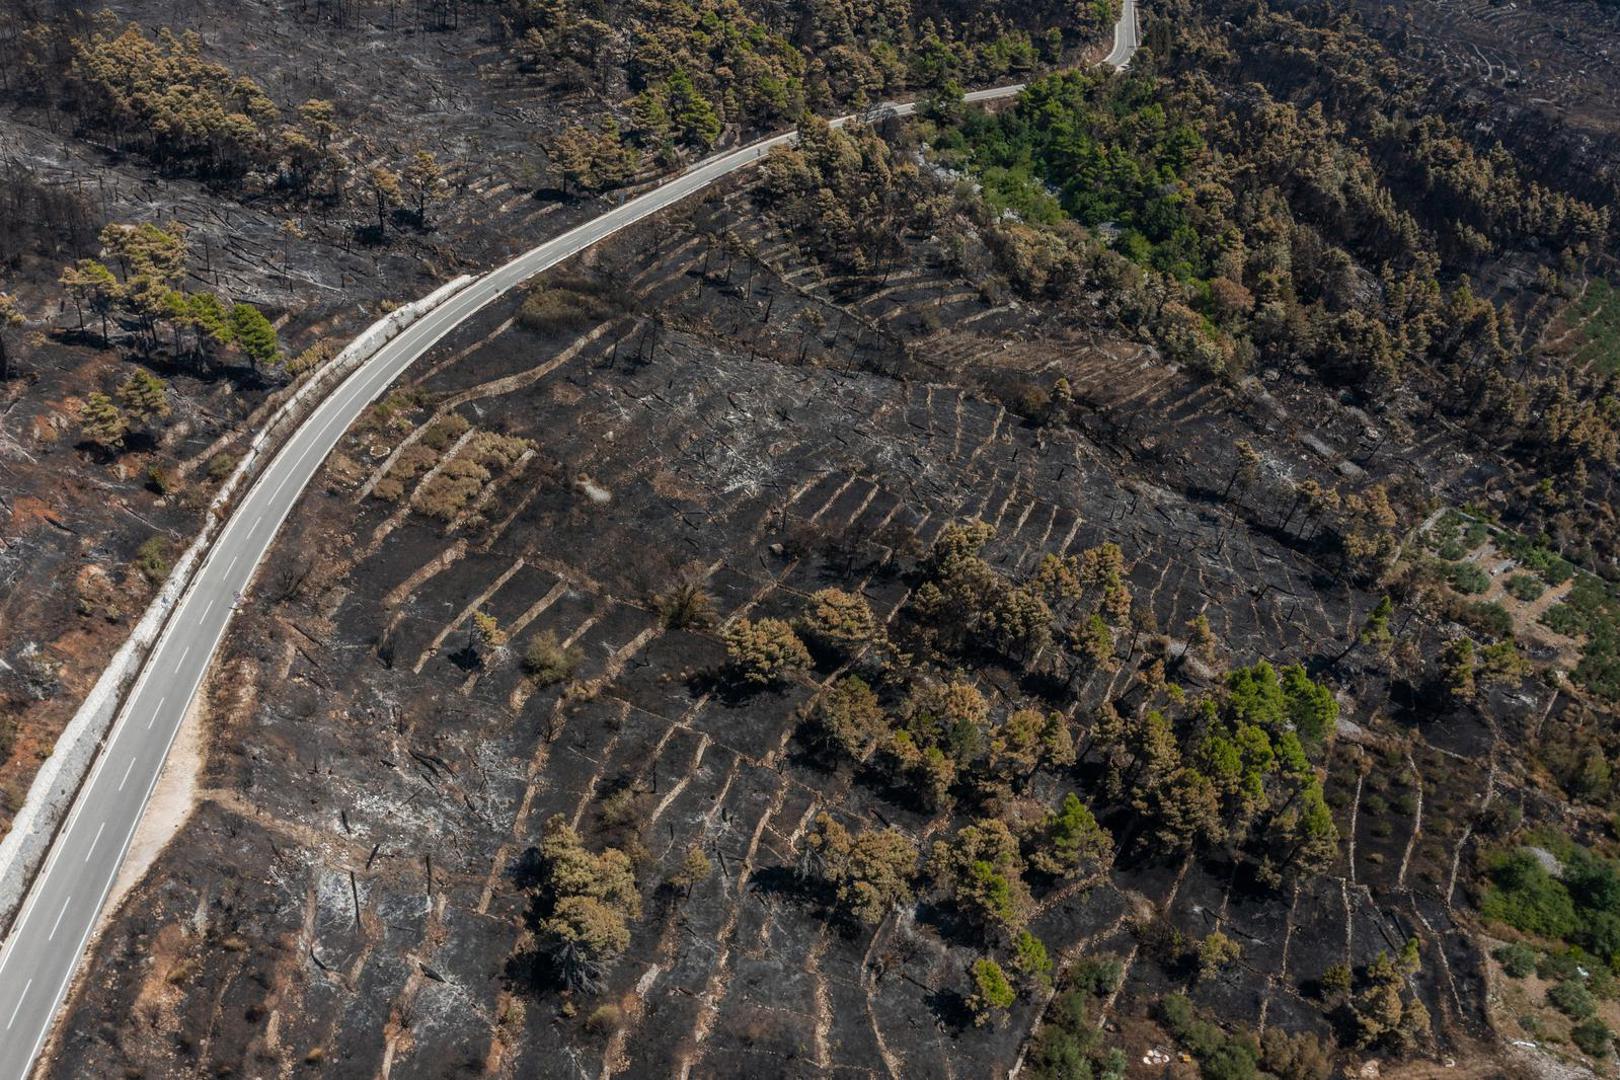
(22, 997)
(94, 842)
(57, 925)
(127, 770)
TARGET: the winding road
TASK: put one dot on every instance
(39, 959)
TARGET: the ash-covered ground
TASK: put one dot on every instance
(347, 897)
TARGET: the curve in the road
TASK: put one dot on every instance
(38, 961)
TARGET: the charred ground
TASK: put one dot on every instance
(540, 614)
(386, 773)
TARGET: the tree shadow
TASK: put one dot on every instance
(527, 870)
(951, 1009)
(785, 883)
(951, 925)
(532, 972)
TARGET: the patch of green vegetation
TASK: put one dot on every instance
(1444, 537)
(1069, 1044)
(1098, 149)
(1573, 999)
(1489, 619)
(1592, 1036)
(220, 466)
(1517, 959)
(1563, 619)
(1598, 315)
(1526, 587)
(1220, 1056)
(566, 306)
(152, 559)
(1590, 610)
(547, 662)
(1581, 907)
(1468, 578)
(1546, 564)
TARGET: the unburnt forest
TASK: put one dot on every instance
(1120, 584)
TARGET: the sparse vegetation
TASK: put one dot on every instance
(583, 903)
(764, 653)
(547, 662)
(984, 544)
(152, 559)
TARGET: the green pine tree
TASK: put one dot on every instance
(253, 334)
(145, 396)
(102, 422)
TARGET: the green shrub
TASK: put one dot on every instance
(1517, 959)
(1572, 999)
(1522, 894)
(1200, 1037)
(1552, 568)
(1096, 977)
(1582, 908)
(1220, 1056)
(604, 1020)
(1234, 1059)
(1468, 578)
(1600, 980)
(1448, 528)
(441, 433)
(1067, 1046)
(546, 662)
(1563, 619)
(221, 466)
(1592, 1036)
(152, 559)
(159, 480)
(1526, 587)
(1488, 618)
(1558, 965)
(1301, 1056)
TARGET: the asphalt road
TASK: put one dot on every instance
(1127, 36)
(39, 959)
